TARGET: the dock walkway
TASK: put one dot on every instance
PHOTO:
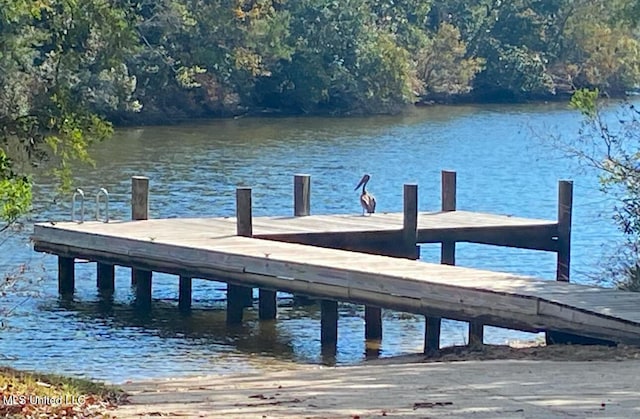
(314, 256)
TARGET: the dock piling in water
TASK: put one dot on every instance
(66, 275)
(448, 199)
(565, 208)
(140, 211)
(184, 293)
(106, 276)
(328, 323)
(302, 208)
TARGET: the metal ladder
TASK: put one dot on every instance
(78, 196)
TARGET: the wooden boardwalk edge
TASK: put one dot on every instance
(522, 312)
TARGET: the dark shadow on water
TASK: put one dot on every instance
(204, 326)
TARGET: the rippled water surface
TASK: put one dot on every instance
(505, 164)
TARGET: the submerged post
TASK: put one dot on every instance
(328, 323)
(184, 293)
(301, 195)
(66, 275)
(372, 323)
(106, 274)
(565, 206)
(140, 211)
(239, 296)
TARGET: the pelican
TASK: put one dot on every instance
(367, 200)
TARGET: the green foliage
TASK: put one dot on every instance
(614, 150)
(586, 101)
(63, 72)
(600, 47)
(70, 68)
(442, 65)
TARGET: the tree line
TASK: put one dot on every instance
(69, 69)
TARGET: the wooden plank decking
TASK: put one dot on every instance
(209, 248)
(433, 227)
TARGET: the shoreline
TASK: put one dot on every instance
(483, 382)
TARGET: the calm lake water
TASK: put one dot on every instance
(505, 163)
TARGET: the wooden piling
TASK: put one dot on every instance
(476, 333)
(372, 322)
(184, 293)
(328, 323)
(237, 294)
(410, 220)
(106, 275)
(449, 192)
(143, 290)
(432, 334)
(302, 208)
(244, 210)
(447, 256)
(301, 195)
(66, 275)
(139, 211)
(139, 198)
(565, 206)
(267, 304)
(236, 299)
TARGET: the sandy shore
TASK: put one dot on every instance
(532, 383)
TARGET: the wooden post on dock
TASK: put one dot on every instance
(141, 279)
(66, 275)
(184, 293)
(449, 192)
(565, 206)
(302, 208)
(238, 296)
(410, 220)
(301, 195)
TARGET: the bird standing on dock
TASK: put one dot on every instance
(367, 200)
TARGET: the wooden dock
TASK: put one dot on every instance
(364, 260)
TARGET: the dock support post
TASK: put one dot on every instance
(66, 275)
(236, 299)
(449, 202)
(565, 209)
(143, 289)
(139, 211)
(184, 293)
(565, 205)
(372, 323)
(106, 274)
(267, 304)
(301, 208)
(239, 296)
(410, 221)
(328, 323)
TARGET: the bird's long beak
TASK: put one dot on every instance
(361, 182)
